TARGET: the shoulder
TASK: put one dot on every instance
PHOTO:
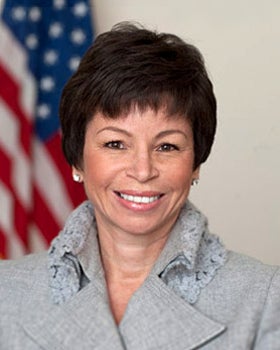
(255, 279)
(242, 273)
(243, 283)
(18, 276)
(248, 270)
(21, 279)
(244, 295)
(25, 265)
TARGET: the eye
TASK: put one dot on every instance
(114, 145)
(167, 147)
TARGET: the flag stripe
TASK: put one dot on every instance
(19, 214)
(6, 211)
(76, 195)
(37, 56)
(37, 242)
(3, 244)
(21, 220)
(6, 169)
(14, 60)
(13, 244)
(9, 146)
(51, 185)
(44, 218)
(10, 92)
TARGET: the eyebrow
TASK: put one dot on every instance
(170, 132)
(115, 129)
(158, 136)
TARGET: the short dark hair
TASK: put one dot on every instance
(131, 66)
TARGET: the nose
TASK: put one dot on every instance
(143, 166)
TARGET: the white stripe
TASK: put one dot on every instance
(15, 59)
(22, 180)
(15, 247)
(36, 240)
(9, 141)
(6, 209)
(9, 128)
(51, 184)
(28, 96)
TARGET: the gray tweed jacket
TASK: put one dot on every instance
(239, 309)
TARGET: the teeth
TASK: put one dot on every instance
(139, 199)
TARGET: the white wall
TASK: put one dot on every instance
(239, 187)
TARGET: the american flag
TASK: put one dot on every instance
(41, 43)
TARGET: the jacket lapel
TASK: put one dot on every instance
(156, 318)
(84, 322)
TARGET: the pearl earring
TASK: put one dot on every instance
(77, 178)
(195, 182)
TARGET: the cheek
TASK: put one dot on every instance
(183, 179)
(181, 174)
(98, 172)
(92, 171)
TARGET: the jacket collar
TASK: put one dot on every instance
(155, 317)
(191, 252)
(84, 321)
(192, 255)
(162, 301)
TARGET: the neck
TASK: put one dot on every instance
(129, 259)
(126, 266)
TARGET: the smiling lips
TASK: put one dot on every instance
(139, 199)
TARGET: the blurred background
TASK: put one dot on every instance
(239, 185)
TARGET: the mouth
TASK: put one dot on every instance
(139, 199)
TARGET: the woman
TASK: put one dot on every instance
(135, 266)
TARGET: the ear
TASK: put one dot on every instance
(196, 173)
(195, 176)
(76, 174)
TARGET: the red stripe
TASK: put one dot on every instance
(75, 190)
(43, 217)
(21, 221)
(3, 245)
(6, 169)
(10, 92)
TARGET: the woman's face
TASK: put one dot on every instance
(137, 171)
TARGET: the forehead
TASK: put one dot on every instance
(140, 120)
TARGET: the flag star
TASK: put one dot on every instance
(35, 14)
(55, 30)
(43, 111)
(59, 4)
(78, 36)
(31, 41)
(18, 13)
(47, 84)
(80, 9)
(50, 57)
(74, 62)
